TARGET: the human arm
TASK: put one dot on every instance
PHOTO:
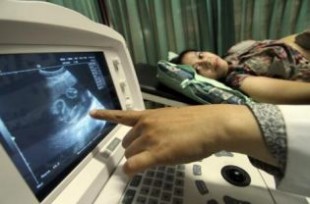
(276, 91)
(180, 135)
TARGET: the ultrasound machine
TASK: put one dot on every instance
(55, 66)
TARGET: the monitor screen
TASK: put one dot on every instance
(45, 99)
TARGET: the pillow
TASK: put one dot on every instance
(172, 55)
(184, 79)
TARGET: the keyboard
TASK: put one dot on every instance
(159, 185)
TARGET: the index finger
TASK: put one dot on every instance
(129, 118)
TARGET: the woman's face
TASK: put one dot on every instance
(206, 64)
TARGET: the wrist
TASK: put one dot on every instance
(227, 127)
(242, 134)
(235, 125)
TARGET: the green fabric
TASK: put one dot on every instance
(89, 8)
(270, 19)
(174, 25)
(152, 28)
(185, 80)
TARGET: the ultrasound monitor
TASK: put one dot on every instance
(45, 99)
(55, 66)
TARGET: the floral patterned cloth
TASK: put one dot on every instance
(265, 58)
(273, 129)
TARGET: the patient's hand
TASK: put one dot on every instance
(303, 39)
(300, 42)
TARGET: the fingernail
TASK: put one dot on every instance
(93, 112)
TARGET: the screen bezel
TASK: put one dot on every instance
(108, 54)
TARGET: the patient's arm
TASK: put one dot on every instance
(276, 91)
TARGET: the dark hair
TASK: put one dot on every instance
(179, 58)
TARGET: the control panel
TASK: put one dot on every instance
(123, 84)
(223, 178)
